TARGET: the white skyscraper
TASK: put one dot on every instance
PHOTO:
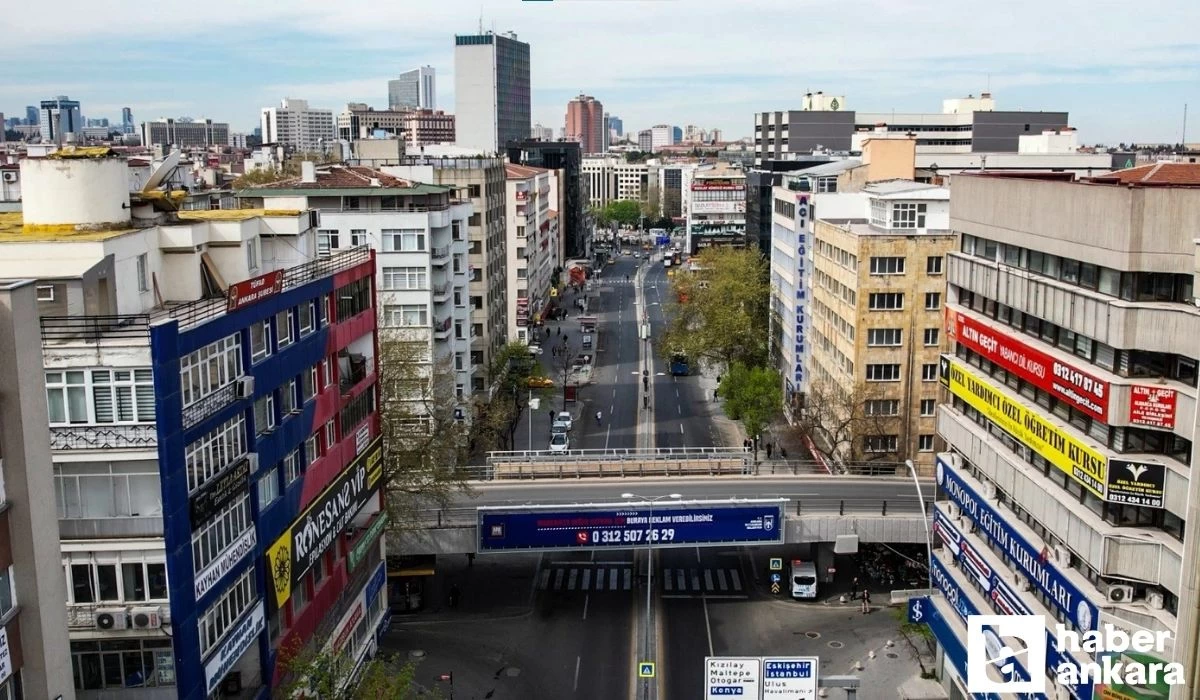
(491, 90)
(414, 89)
(294, 124)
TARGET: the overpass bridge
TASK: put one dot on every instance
(870, 501)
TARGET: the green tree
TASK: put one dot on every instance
(724, 320)
(260, 176)
(600, 216)
(626, 212)
(752, 395)
(511, 370)
(332, 676)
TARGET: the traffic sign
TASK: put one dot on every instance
(776, 563)
(731, 675)
(790, 678)
(646, 669)
(776, 578)
(774, 587)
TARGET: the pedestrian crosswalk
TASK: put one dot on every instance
(615, 577)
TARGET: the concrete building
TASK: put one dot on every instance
(60, 120)
(716, 214)
(969, 125)
(606, 135)
(585, 123)
(210, 391)
(31, 116)
(610, 178)
(645, 140)
(295, 125)
(482, 182)
(541, 133)
(491, 91)
(414, 89)
(429, 127)
(760, 199)
(662, 135)
(616, 124)
(571, 188)
(184, 133)
(674, 185)
(419, 233)
(416, 127)
(533, 247)
(1072, 401)
(127, 125)
(35, 659)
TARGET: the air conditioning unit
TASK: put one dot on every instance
(111, 619)
(989, 491)
(1155, 599)
(252, 458)
(955, 460)
(1021, 582)
(145, 618)
(244, 387)
(10, 176)
(1119, 594)
(952, 508)
(1062, 557)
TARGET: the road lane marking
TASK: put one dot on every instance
(577, 671)
(707, 625)
(587, 579)
(586, 598)
(545, 580)
(737, 579)
(721, 579)
(612, 579)
(571, 580)
(681, 425)
(697, 555)
(558, 577)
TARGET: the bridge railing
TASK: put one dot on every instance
(497, 457)
(577, 464)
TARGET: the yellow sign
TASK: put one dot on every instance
(1072, 457)
(646, 669)
(279, 563)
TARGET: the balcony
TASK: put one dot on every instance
(103, 437)
(110, 528)
(353, 368)
(209, 405)
(441, 292)
(441, 329)
(440, 255)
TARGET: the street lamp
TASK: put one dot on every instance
(534, 404)
(912, 469)
(650, 553)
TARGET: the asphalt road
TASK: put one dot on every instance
(681, 410)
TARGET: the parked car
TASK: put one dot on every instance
(540, 382)
(565, 417)
(587, 342)
(559, 442)
(535, 349)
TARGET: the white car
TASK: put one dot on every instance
(559, 442)
(564, 417)
(535, 349)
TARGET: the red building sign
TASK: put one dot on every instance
(254, 290)
(1153, 406)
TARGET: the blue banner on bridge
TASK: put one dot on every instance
(624, 527)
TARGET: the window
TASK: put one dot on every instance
(406, 315)
(143, 273)
(323, 309)
(67, 396)
(8, 596)
(216, 622)
(305, 313)
(268, 488)
(45, 292)
(208, 456)
(327, 241)
(929, 373)
(883, 373)
(933, 301)
(117, 489)
(882, 407)
(293, 467)
(312, 448)
(283, 328)
(326, 372)
(931, 336)
(252, 254)
(210, 368)
(264, 414)
(404, 241)
(116, 664)
(358, 236)
(472, 190)
(260, 340)
(353, 298)
(358, 409)
(925, 443)
(928, 406)
(287, 399)
(908, 215)
(330, 434)
(405, 278)
(880, 443)
(308, 384)
(933, 265)
(210, 540)
(886, 301)
(887, 266)
(883, 337)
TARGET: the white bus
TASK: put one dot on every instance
(804, 580)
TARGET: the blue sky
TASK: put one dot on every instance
(1123, 70)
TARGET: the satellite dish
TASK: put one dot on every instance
(160, 175)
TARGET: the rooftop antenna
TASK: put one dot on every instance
(1183, 136)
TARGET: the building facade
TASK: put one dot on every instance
(662, 135)
(35, 659)
(616, 124)
(645, 140)
(184, 133)
(533, 247)
(716, 214)
(1071, 409)
(491, 91)
(294, 125)
(573, 192)
(611, 178)
(414, 89)
(127, 126)
(196, 428)
(60, 120)
(541, 133)
(585, 123)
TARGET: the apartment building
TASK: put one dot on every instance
(1071, 412)
(419, 233)
(210, 391)
(662, 135)
(295, 125)
(585, 124)
(611, 178)
(35, 659)
(874, 318)
(482, 182)
(185, 133)
(571, 188)
(716, 212)
(533, 247)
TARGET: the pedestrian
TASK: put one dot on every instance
(455, 594)
(716, 393)
(551, 415)
(547, 332)
(866, 601)
(470, 559)
(769, 448)
(782, 452)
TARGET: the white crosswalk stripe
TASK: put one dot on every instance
(614, 577)
(586, 578)
(719, 581)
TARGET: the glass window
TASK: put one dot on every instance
(287, 398)
(8, 596)
(67, 396)
(264, 414)
(925, 443)
(308, 384)
(307, 318)
(933, 301)
(933, 265)
(268, 488)
(156, 574)
(293, 467)
(928, 406)
(283, 328)
(260, 340)
(133, 581)
(106, 579)
(931, 336)
(929, 372)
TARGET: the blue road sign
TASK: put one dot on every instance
(623, 527)
(918, 610)
(646, 669)
(776, 578)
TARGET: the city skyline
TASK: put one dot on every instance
(1117, 86)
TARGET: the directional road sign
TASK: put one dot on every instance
(789, 678)
(774, 587)
(646, 669)
(726, 676)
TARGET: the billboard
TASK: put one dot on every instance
(1152, 406)
(801, 289)
(730, 206)
(254, 290)
(629, 525)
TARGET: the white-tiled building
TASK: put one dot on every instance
(533, 246)
(294, 124)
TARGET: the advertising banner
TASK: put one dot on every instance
(719, 207)
(1071, 456)
(217, 493)
(297, 549)
(1136, 483)
(236, 644)
(224, 563)
(622, 527)
(6, 668)
(255, 289)
(1152, 406)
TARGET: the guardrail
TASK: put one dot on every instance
(576, 455)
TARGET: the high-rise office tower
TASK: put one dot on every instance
(585, 123)
(31, 115)
(616, 124)
(491, 90)
(60, 119)
(126, 120)
(414, 89)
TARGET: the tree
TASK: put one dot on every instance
(511, 369)
(724, 320)
(260, 176)
(329, 675)
(839, 418)
(425, 443)
(652, 204)
(626, 212)
(600, 216)
(752, 395)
